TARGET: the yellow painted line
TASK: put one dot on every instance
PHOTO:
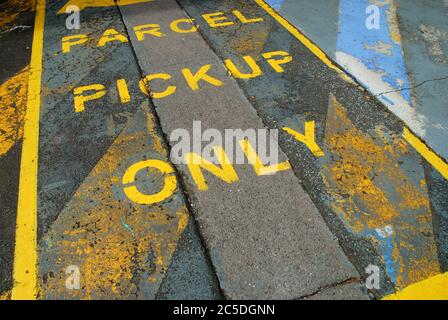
(434, 288)
(82, 4)
(303, 39)
(25, 252)
(438, 163)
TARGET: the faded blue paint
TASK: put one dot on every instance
(128, 227)
(355, 39)
(276, 4)
(386, 247)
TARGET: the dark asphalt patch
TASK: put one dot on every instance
(9, 170)
(438, 191)
(185, 279)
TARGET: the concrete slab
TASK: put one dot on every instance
(305, 13)
(265, 237)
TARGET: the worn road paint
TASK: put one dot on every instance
(393, 72)
(379, 64)
(12, 108)
(438, 163)
(252, 223)
(400, 265)
(377, 59)
(83, 4)
(25, 256)
(300, 95)
(302, 38)
(404, 62)
(434, 288)
(122, 248)
(16, 36)
(377, 198)
(365, 61)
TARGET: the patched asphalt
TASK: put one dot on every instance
(366, 197)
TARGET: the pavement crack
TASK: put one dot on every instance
(189, 203)
(330, 286)
(413, 87)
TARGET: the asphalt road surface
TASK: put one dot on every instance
(93, 205)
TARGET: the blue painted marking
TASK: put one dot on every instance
(387, 100)
(387, 249)
(355, 39)
(276, 4)
(359, 42)
(127, 227)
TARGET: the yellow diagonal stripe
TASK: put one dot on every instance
(82, 4)
(303, 39)
(25, 251)
(434, 288)
(429, 155)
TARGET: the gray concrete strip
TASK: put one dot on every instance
(265, 237)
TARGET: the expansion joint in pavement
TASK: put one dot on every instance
(349, 281)
(167, 146)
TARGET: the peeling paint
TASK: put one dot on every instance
(12, 109)
(82, 4)
(380, 47)
(123, 249)
(5, 296)
(393, 98)
(378, 195)
(11, 9)
(434, 38)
